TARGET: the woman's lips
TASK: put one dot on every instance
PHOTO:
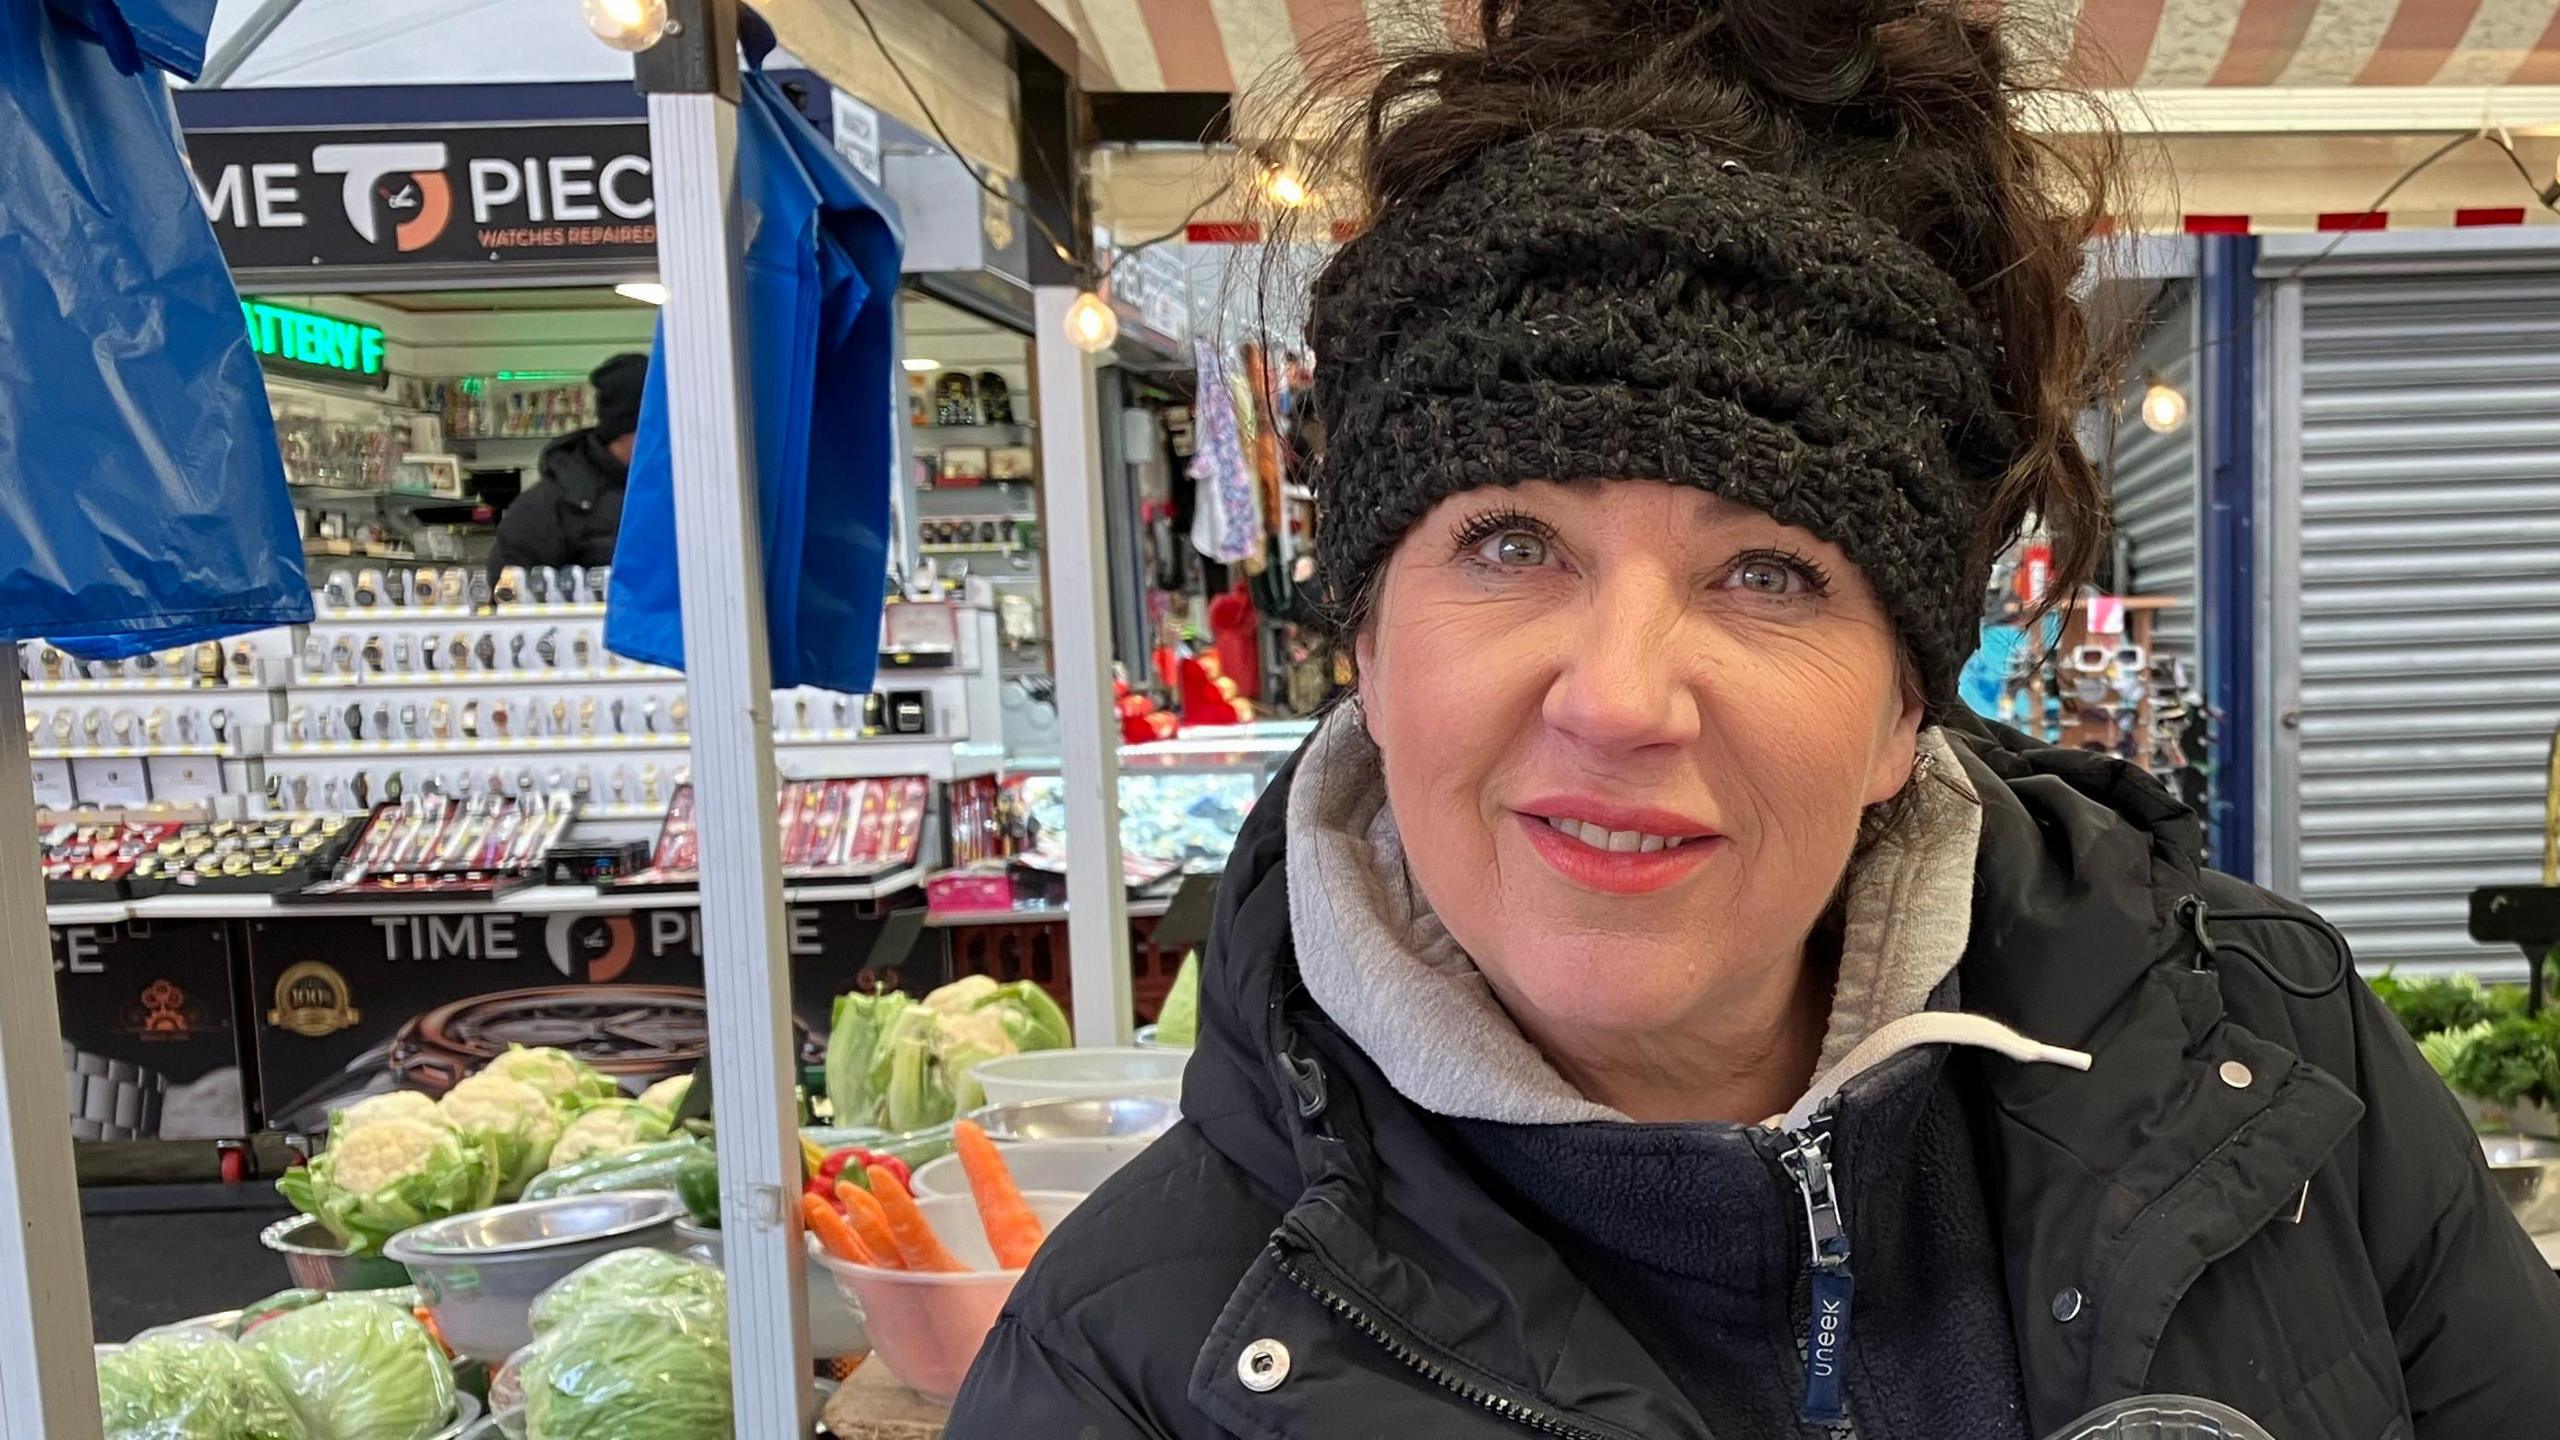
(1619, 871)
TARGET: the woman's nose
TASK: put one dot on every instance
(1617, 685)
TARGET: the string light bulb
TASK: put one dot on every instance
(1286, 188)
(1091, 323)
(628, 25)
(2164, 406)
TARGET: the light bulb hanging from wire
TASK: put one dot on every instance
(629, 25)
(2164, 406)
(1091, 323)
(1286, 188)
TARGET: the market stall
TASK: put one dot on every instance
(278, 811)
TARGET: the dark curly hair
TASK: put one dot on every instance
(1908, 110)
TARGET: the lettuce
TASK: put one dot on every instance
(612, 1280)
(630, 1349)
(1178, 1023)
(357, 1367)
(193, 1385)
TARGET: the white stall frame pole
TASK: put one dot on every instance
(48, 1381)
(728, 677)
(1080, 646)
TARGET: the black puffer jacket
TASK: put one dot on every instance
(575, 515)
(2257, 1198)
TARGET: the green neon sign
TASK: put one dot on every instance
(316, 344)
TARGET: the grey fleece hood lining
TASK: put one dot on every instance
(1384, 968)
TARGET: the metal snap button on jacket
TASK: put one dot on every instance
(2067, 1304)
(2236, 1075)
(1263, 1365)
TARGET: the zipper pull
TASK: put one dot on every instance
(1829, 1285)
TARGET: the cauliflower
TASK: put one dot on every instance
(667, 1096)
(395, 1105)
(517, 1122)
(378, 1180)
(566, 1079)
(965, 1042)
(962, 995)
(603, 1129)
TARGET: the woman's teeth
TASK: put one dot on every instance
(1624, 842)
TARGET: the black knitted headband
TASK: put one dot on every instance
(1616, 305)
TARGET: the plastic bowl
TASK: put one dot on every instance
(1148, 1038)
(927, 1328)
(1081, 1074)
(480, 1272)
(1111, 1117)
(1074, 1167)
(316, 1261)
(835, 1324)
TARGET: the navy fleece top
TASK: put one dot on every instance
(1695, 1237)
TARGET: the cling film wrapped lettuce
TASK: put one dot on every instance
(629, 1348)
(358, 1367)
(193, 1385)
(902, 1065)
(624, 1275)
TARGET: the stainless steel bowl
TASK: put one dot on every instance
(1088, 1118)
(316, 1261)
(2526, 1169)
(480, 1272)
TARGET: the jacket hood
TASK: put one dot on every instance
(1382, 966)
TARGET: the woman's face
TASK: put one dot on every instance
(1629, 730)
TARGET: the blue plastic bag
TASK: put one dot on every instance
(142, 499)
(820, 278)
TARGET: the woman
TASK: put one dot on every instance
(1650, 1010)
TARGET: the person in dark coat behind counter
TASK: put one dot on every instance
(574, 515)
(1651, 1009)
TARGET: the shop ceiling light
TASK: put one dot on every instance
(632, 25)
(647, 292)
(2164, 406)
(1091, 325)
(917, 365)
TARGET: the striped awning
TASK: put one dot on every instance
(1227, 45)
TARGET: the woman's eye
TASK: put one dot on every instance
(1768, 577)
(1515, 549)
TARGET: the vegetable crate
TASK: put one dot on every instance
(1037, 951)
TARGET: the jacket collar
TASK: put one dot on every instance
(2119, 1185)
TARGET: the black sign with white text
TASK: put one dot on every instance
(353, 1004)
(484, 194)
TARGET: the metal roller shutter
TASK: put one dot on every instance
(2421, 648)
(2154, 480)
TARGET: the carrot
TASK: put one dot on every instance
(862, 1211)
(1013, 1232)
(917, 1244)
(435, 1331)
(833, 1232)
